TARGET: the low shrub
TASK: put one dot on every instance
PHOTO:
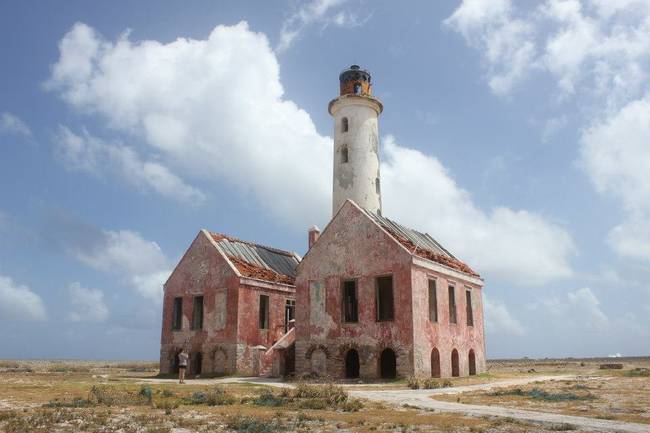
(638, 372)
(107, 395)
(167, 406)
(217, 396)
(447, 383)
(76, 402)
(539, 394)
(147, 393)
(316, 397)
(267, 398)
(250, 424)
(414, 382)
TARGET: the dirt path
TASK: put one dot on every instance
(422, 398)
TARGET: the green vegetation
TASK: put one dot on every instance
(638, 372)
(539, 394)
(415, 382)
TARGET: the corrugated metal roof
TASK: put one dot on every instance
(421, 240)
(281, 262)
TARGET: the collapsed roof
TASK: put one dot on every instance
(258, 261)
(421, 244)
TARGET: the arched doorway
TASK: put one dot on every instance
(435, 363)
(197, 363)
(352, 364)
(289, 360)
(319, 362)
(455, 367)
(220, 362)
(174, 361)
(472, 362)
(388, 364)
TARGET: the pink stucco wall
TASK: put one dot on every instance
(354, 247)
(231, 312)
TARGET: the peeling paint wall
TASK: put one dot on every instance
(443, 335)
(230, 312)
(352, 247)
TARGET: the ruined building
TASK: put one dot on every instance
(371, 298)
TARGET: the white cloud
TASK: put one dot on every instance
(92, 155)
(505, 40)
(597, 45)
(233, 126)
(616, 155)
(498, 319)
(579, 309)
(11, 124)
(598, 51)
(140, 262)
(516, 245)
(311, 12)
(19, 302)
(87, 304)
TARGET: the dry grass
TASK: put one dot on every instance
(63, 396)
(607, 394)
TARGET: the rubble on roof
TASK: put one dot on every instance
(258, 261)
(421, 244)
(451, 262)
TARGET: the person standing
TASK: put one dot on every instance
(183, 358)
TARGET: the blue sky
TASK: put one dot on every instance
(514, 133)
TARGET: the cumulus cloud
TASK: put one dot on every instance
(19, 302)
(597, 51)
(323, 12)
(505, 40)
(233, 126)
(594, 45)
(87, 305)
(579, 309)
(516, 245)
(83, 152)
(498, 319)
(126, 253)
(11, 124)
(616, 155)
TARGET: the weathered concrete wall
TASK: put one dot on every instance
(249, 332)
(443, 335)
(352, 247)
(201, 271)
(357, 178)
(230, 312)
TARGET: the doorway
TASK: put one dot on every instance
(472, 363)
(455, 367)
(388, 364)
(435, 363)
(352, 364)
(197, 363)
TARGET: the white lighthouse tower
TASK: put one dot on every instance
(356, 142)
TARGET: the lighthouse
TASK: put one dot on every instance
(356, 142)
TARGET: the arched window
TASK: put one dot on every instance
(344, 154)
(344, 124)
(377, 186)
(357, 88)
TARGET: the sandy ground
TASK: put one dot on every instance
(423, 399)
